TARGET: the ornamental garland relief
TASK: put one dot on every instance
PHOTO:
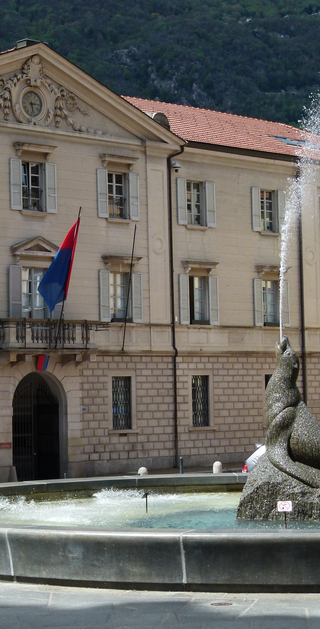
(34, 99)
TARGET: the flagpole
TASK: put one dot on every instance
(129, 286)
(59, 324)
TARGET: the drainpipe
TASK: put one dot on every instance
(173, 317)
(301, 282)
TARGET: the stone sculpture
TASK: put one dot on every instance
(290, 468)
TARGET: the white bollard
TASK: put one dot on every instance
(142, 471)
(217, 467)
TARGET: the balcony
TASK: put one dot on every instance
(39, 334)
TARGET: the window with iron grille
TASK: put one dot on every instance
(121, 402)
(200, 401)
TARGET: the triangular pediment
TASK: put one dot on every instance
(48, 91)
(34, 250)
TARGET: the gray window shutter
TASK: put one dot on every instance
(104, 289)
(15, 183)
(137, 298)
(213, 285)
(210, 197)
(281, 203)
(258, 302)
(134, 209)
(102, 190)
(182, 201)
(51, 187)
(285, 304)
(15, 291)
(184, 299)
(256, 209)
(56, 312)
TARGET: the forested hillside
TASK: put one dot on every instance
(252, 57)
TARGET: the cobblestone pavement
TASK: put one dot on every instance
(47, 607)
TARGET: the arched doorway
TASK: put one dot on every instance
(35, 430)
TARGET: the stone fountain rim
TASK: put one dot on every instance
(163, 559)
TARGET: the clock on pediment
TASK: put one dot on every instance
(33, 98)
(32, 103)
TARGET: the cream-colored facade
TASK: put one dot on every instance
(200, 263)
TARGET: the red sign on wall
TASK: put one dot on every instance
(5, 445)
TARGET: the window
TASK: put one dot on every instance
(33, 186)
(121, 402)
(199, 299)
(24, 299)
(270, 297)
(200, 401)
(268, 209)
(33, 304)
(114, 294)
(196, 203)
(267, 303)
(118, 195)
(193, 203)
(267, 377)
(118, 296)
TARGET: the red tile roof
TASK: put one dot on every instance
(228, 130)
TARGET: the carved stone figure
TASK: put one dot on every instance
(290, 468)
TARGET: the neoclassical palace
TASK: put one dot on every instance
(168, 334)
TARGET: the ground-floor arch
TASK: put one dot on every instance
(35, 429)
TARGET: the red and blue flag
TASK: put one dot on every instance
(42, 362)
(55, 283)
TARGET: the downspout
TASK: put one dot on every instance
(301, 283)
(173, 318)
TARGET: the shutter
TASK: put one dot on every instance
(15, 291)
(134, 209)
(182, 201)
(137, 298)
(56, 312)
(104, 288)
(210, 197)
(213, 286)
(285, 304)
(184, 299)
(281, 206)
(258, 302)
(256, 209)
(102, 192)
(51, 187)
(15, 183)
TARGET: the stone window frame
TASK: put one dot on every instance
(211, 426)
(120, 373)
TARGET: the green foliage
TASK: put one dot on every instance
(251, 57)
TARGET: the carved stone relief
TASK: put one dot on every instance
(35, 99)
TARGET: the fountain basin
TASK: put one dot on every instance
(253, 560)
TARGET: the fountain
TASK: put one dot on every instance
(240, 559)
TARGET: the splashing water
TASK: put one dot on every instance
(299, 192)
(123, 509)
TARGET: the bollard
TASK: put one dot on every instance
(181, 465)
(217, 467)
